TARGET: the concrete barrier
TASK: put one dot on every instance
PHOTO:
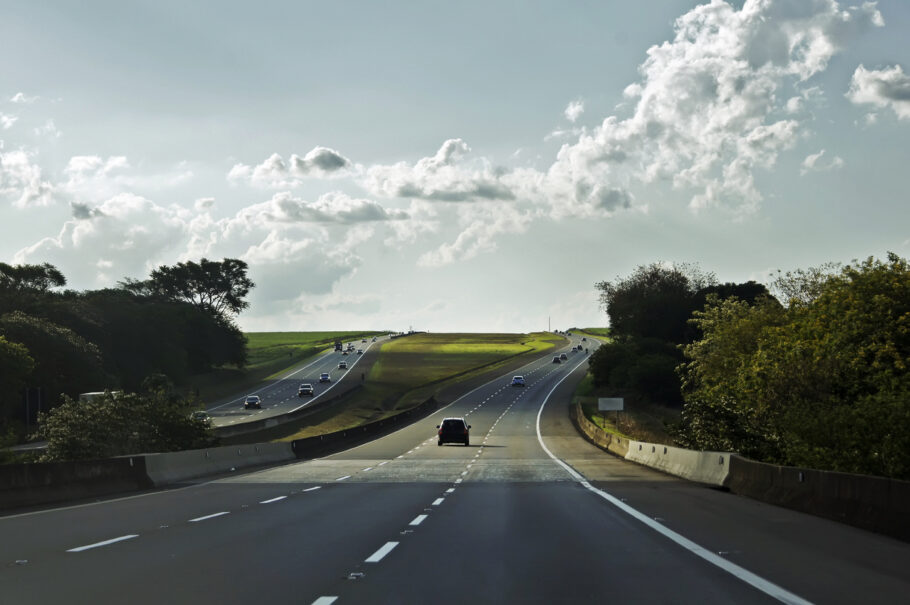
(703, 467)
(49, 482)
(873, 503)
(596, 435)
(173, 467)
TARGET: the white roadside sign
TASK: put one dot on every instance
(609, 404)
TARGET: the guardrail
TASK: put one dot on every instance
(873, 503)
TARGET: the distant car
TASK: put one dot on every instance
(324, 377)
(360, 351)
(252, 401)
(364, 340)
(200, 415)
(583, 339)
(563, 356)
(453, 430)
(306, 389)
(556, 359)
(343, 365)
(517, 381)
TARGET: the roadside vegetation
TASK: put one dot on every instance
(56, 343)
(412, 369)
(816, 376)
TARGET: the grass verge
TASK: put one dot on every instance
(410, 370)
(268, 354)
(641, 420)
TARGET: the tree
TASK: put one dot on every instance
(218, 288)
(656, 301)
(122, 424)
(823, 383)
(15, 367)
(19, 278)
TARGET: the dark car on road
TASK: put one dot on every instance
(556, 359)
(252, 401)
(324, 377)
(453, 430)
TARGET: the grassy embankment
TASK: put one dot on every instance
(641, 420)
(269, 354)
(412, 369)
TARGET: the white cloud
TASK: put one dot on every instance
(21, 180)
(481, 224)
(814, 163)
(7, 121)
(703, 115)
(126, 235)
(49, 128)
(274, 172)
(21, 97)
(882, 88)
(574, 110)
(447, 176)
(91, 177)
(204, 203)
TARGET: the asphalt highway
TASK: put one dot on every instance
(528, 513)
(280, 396)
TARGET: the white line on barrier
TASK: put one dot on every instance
(769, 588)
(104, 543)
(197, 519)
(343, 478)
(377, 556)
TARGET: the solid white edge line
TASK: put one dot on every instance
(418, 520)
(324, 601)
(769, 588)
(103, 543)
(273, 500)
(377, 556)
(197, 519)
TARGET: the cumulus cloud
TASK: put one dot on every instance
(884, 88)
(703, 114)
(21, 180)
(21, 97)
(95, 178)
(481, 225)
(446, 176)
(49, 128)
(275, 172)
(126, 235)
(7, 121)
(814, 163)
(574, 110)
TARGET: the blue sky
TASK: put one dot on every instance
(451, 166)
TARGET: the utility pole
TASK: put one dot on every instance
(548, 323)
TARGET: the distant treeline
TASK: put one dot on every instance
(815, 376)
(177, 323)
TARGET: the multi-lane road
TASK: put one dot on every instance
(528, 513)
(279, 396)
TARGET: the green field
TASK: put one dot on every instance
(410, 370)
(268, 354)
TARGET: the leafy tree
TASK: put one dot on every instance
(64, 361)
(656, 301)
(216, 287)
(20, 278)
(15, 367)
(824, 383)
(118, 424)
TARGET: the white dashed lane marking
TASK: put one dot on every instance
(207, 517)
(439, 501)
(104, 543)
(310, 489)
(377, 556)
(418, 520)
(273, 500)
